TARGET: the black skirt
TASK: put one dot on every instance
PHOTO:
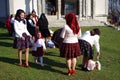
(86, 49)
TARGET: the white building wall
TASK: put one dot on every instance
(26, 5)
(19, 4)
(100, 7)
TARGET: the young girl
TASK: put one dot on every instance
(38, 49)
(22, 36)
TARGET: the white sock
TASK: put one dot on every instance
(35, 59)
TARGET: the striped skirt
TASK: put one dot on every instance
(70, 50)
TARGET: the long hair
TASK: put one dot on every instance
(17, 16)
(72, 22)
(96, 31)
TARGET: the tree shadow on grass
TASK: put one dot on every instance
(48, 64)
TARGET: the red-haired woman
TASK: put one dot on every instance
(70, 48)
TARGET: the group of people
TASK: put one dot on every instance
(73, 44)
(70, 41)
(30, 31)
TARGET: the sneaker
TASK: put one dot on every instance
(42, 65)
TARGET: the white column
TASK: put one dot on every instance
(106, 7)
(11, 7)
(83, 7)
(94, 7)
(39, 7)
(32, 4)
(80, 9)
(86, 9)
(43, 6)
(59, 9)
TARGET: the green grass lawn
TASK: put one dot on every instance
(55, 66)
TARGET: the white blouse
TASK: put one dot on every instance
(68, 35)
(31, 23)
(20, 28)
(93, 40)
(39, 43)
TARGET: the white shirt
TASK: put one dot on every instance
(20, 28)
(39, 43)
(93, 40)
(12, 20)
(68, 35)
(31, 23)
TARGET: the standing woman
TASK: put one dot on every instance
(70, 48)
(22, 36)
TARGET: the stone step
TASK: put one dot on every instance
(91, 22)
(54, 22)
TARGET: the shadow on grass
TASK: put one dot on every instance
(48, 64)
(6, 44)
(51, 54)
(5, 36)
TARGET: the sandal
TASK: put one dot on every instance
(26, 65)
(21, 65)
(72, 72)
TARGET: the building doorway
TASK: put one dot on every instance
(69, 6)
(50, 7)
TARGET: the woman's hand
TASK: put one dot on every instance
(23, 38)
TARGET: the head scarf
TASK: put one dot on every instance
(43, 22)
(72, 22)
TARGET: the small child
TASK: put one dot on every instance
(93, 64)
(38, 49)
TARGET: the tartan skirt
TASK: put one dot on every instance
(70, 50)
(21, 44)
(86, 49)
(38, 53)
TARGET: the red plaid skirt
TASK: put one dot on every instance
(70, 50)
(39, 52)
